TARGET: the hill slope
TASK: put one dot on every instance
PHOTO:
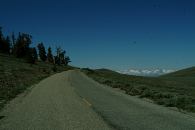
(189, 72)
(169, 91)
(16, 75)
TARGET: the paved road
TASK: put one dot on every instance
(71, 101)
(51, 105)
(126, 112)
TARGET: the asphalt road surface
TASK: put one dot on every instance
(72, 101)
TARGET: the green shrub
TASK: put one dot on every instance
(184, 102)
(171, 102)
(181, 102)
(159, 95)
(54, 68)
(146, 93)
(161, 101)
(107, 82)
(135, 91)
(88, 71)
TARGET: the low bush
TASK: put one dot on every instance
(107, 82)
(88, 71)
(184, 102)
(135, 91)
(146, 93)
(54, 68)
(164, 91)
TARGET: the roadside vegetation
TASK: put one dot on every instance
(22, 65)
(174, 90)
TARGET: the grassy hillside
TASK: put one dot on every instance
(16, 75)
(166, 90)
(189, 72)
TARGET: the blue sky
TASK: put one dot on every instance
(115, 34)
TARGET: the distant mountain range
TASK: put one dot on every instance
(146, 72)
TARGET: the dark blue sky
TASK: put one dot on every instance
(116, 34)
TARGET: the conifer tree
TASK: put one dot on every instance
(22, 44)
(32, 55)
(67, 60)
(1, 39)
(7, 45)
(42, 52)
(13, 42)
(4, 43)
(50, 56)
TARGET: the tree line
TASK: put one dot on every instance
(20, 47)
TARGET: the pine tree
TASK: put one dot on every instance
(13, 43)
(61, 57)
(42, 52)
(1, 39)
(50, 56)
(13, 39)
(22, 44)
(4, 43)
(67, 60)
(32, 55)
(1, 34)
(34, 52)
(7, 45)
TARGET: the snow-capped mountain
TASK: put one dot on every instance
(146, 72)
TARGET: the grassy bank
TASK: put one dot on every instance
(16, 75)
(167, 90)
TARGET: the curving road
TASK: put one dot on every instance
(72, 101)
